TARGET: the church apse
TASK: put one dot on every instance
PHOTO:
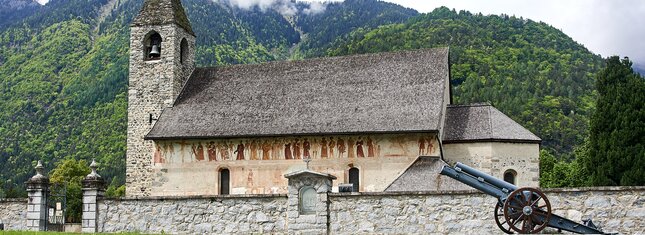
(257, 165)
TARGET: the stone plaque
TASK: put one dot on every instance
(307, 200)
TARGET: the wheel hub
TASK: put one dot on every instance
(527, 210)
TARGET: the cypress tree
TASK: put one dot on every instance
(617, 136)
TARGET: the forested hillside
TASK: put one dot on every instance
(64, 66)
(14, 10)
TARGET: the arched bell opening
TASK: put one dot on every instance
(152, 46)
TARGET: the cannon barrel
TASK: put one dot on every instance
(473, 182)
(489, 179)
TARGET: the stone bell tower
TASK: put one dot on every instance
(162, 52)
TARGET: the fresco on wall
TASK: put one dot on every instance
(294, 148)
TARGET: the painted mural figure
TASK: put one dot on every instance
(182, 147)
(223, 151)
(266, 150)
(430, 146)
(359, 149)
(212, 151)
(296, 150)
(157, 155)
(370, 147)
(323, 150)
(287, 151)
(332, 145)
(422, 146)
(276, 149)
(198, 151)
(254, 150)
(341, 147)
(240, 151)
(306, 146)
(350, 148)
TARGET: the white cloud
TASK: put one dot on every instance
(284, 7)
(315, 8)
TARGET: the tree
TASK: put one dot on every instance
(71, 172)
(617, 136)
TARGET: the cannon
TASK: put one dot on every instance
(521, 210)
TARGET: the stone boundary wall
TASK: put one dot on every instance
(614, 209)
(13, 213)
(195, 215)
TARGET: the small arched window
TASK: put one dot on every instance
(224, 181)
(183, 53)
(354, 178)
(509, 176)
(152, 46)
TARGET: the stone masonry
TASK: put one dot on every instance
(93, 188)
(153, 86)
(317, 221)
(13, 214)
(195, 215)
(38, 192)
(616, 210)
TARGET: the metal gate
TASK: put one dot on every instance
(56, 207)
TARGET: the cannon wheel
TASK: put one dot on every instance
(528, 206)
(500, 220)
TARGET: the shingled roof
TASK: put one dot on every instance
(160, 12)
(483, 122)
(423, 175)
(371, 93)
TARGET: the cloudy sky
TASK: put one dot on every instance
(606, 27)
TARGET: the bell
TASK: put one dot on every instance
(154, 52)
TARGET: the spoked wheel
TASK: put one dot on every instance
(527, 210)
(499, 219)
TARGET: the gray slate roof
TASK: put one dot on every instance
(160, 12)
(370, 93)
(483, 122)
(423, 175)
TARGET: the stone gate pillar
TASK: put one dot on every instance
(308, 203)
(38, 191)
(93, 187)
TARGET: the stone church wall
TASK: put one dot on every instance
(219, 215)
(13, 213)
(619, 209)
(258, 165)
(495, 158)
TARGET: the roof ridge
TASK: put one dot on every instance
(479, 104)
(490, 121)
(324, 58)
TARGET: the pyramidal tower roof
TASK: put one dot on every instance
(160, 12)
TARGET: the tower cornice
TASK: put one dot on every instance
(161, 12)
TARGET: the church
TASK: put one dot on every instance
(380, 122)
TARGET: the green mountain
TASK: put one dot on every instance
(63, 68)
